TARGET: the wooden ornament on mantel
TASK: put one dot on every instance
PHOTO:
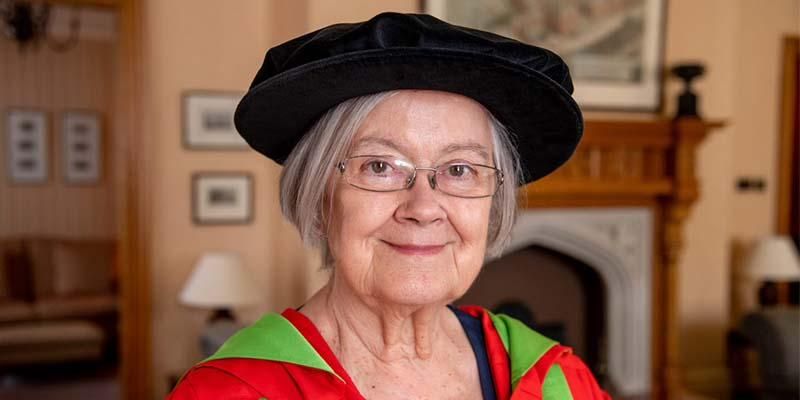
(646, 161)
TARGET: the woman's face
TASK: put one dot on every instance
(417, 246)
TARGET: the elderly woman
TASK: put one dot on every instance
(403, 140)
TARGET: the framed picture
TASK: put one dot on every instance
(82, 147)
(222, 198)
(613, 47)
(27, 144)
(208, 121)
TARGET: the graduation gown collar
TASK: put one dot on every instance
(275, 337)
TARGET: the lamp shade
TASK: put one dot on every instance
(773, 259)
(219, 280)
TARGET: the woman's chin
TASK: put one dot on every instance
(414, 290)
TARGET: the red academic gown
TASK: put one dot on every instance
(284, 357)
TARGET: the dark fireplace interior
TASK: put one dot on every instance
(557, 295)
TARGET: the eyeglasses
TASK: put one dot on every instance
(389, 174)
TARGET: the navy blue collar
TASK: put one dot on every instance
(474, 330)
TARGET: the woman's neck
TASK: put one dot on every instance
(396, 350)
(355, 326)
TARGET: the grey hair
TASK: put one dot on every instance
(307, 173)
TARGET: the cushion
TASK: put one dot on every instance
(3, 285)
(52, 341)
(50, 332)
(9, 248)
(775, 331)
(82, 268)
(3, 281)
(17, 279)
(75, 306)
(40, 256)
(14, 311)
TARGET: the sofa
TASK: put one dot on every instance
(764, 354)
(58, 301)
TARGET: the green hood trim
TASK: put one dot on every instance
(555, 386)
(524, 345)
(273, 338)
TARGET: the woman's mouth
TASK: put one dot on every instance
(415, 249)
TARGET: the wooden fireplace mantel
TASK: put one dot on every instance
(646, 161)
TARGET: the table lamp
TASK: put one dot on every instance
(774, 261)
(219, 282)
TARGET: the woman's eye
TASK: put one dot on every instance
(377, 167)
(456, 170)
(459, 170)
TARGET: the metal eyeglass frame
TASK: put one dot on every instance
(341, 166)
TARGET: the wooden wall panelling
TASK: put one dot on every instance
(676, 206)
(133, 209)
(659, 321)
(788, 190)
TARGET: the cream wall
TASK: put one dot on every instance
(200, 45)
(325, 12)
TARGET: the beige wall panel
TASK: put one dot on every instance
(200, 45)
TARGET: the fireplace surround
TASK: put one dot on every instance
(617, 244)
(619, 205)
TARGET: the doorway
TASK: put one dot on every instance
(77, 208)
(788, 215)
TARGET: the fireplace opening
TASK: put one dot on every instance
(557, 295)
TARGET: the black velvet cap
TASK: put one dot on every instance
(525, 87)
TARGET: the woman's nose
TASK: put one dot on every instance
(421, 203)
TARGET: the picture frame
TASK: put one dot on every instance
(27, 145)
(82, 147)
(612, 47)
(222, 198)
(208, 120)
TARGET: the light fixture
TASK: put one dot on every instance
(774, 258)
(28, 24)
(219, 282)
(774, 263)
